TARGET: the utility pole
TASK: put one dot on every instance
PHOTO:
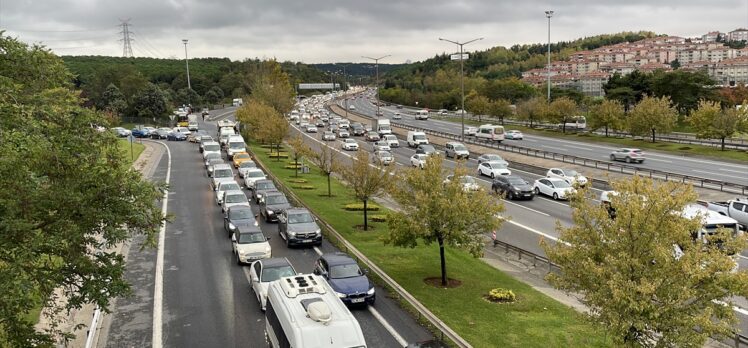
(549, 14)
(462, 84)
(187, 63)
(126, 39)
(376, 63)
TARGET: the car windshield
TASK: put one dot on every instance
(571, 172)
(206, 138)
(345, 271)
(419, 137)
(350, 141)
(213, 155)
(494, 157)
(460, 147)
(241, 155)
(278, 199)
(428, 148)
(212, 147)
(300, 218)
(222, 173)
(497, 165)
(561, 184)
(240, 214)
(270, 274)
(264, 186)
(214, 161)
(237, 145)
(247, 164)
(636, 151)
(229, 186)
(237, 198)
(516, 181)
(255, 174)
(252, 237)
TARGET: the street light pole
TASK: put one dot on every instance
(549, 14)
(376, 63)
(187, 63)
(462, 84)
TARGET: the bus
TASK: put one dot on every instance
(304, 311)
(575, 123)
(490, 132)
(183, 119)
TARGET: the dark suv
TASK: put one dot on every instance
(345, 277)
(261, 187)
(513, 187)
(272, 205)
(298, 226)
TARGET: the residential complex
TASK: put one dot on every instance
(588, 71)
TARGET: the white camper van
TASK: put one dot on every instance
(422, 115)
(490, 132)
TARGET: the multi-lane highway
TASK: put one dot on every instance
(206, 295)
(711, 169)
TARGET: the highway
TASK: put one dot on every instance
(711, 169)
(206, 295)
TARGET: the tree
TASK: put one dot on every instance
(653, 115)
(675, 64)
(532, 110)
(187, 96)
(500, 109)
(300, 149)
(366, 180)
(433, 211)
(113, 100)
(685, 88)
(327, 160)
(561, 110)
(213, 95)
(733, 96)
(478, 105)
(645, 277)
(275, 129)
(712, 122)
(78, 197)
(150, 102)
(271, 86)
(609, 115)
(628, 89)
(254, 116)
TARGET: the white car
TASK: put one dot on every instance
(553, 187)
(381, 146)
(627, 154)
(418, 160)
(232, 198)
(391, 140)
(343, 133)
(468, 182)
(246, 166)
(514, 135)
(489, 157)
(383, 158)
(397, 116)
(250, 244)
(571, 176)
(262, 272)
(223, 187)
(304, 125)
(493, 169)
(351, 107)
(211, 147)
(471, 130)
(349, 145)
(328, 136)
(252, 175)
(311, 129)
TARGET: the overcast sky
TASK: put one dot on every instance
(316, 31)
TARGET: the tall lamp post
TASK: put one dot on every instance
(187, 63)
(462, 84)
(549, 14)
(376, 63)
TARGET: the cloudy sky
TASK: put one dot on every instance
(315, 31)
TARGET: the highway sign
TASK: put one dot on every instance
(318, 86)
(457, 56)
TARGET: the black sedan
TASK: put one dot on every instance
(513, 187)
(176, 136)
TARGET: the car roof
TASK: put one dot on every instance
(234, 192)
(264, 181)
(248, 228)
(221, 166)
(555, 179)
(210, 143)
(334, 259)
(274, 193)
(297, 210)
(239, 207)
(220, 184)
(275, 262)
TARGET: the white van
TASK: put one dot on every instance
(224, 134)
(490, 132)
(235, 144)
(417, 138)
(422, 115)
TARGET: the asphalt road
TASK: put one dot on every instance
(207, 301)
(711, 169)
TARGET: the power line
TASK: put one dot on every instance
(126, 40)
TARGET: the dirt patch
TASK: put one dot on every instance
(437, 282)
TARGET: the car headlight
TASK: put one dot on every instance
(270, 212)
(341, 295)
(267, 250)
(292, 234)
(318, 231)
(231, 226)
(370, 292)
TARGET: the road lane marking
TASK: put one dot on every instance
(734, 171)
(388, 327)
(533, 230)
(316, 250)
(579, 147)
(719, 174)
(158, 287)
(523, 207)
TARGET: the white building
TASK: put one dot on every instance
(738, 35)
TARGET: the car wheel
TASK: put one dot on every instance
(612, 157)
(537, 191)
(628, 159)
(492, 175)
(555, 196)
(288, 242)
(238, 260)
(510, 195)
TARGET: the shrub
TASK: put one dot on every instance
(378, 218)
(298, 181)
(501, 295)
(304, 187)
(360, 207)
(292, 167)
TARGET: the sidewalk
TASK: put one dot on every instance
(145, 164)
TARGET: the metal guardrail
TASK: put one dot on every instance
(587, 162)
(445, 331)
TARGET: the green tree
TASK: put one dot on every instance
(561, 110)
(366, 180)
(150, 102)
(500, 109)
(685, 88)
(70, 196)
(628, 89)
(254, 116)
(712, 122)
(433, 211)
(653, 115)
(609, 115)
(643, 291)
(186, 96)
(327, 161)
(300, 149)
(271, 86)
(275, 129)
(478, 105)
(113, 100)
(532, 110)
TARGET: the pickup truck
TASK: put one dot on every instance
(736, 209)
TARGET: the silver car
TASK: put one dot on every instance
(223, 187)
(627, 154)
(233, 198)
(384, 158)
(298, 226)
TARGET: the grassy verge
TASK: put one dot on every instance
(675, 148)
(131, 154)
(535, 320)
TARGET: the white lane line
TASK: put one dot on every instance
(388, 327)
(745, 172)
(579, 147)
(742, 257)
(158, 287)
(316, 250)
(720, 174)
(523, 207)
(533, 230)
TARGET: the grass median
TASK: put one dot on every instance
(535, 320)
(130, 153)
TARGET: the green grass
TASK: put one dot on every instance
(535, 320)
(680, 149)
(131, 155)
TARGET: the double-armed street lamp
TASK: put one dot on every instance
(462, 84)
(376, 63)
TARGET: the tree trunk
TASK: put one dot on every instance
(563, 126)
(296, 166)
(329, 190)
(443, 261)
(366, 220)
(502, 120)
(653, 135)
(278, 152)
(723, 143)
